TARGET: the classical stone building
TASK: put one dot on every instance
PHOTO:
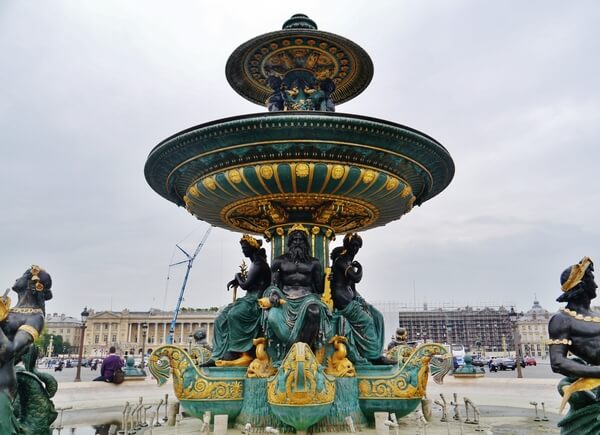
(124, 329)
(67, 327)
(533, 330)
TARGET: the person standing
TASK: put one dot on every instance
(110, 365)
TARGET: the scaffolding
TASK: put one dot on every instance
(478, 328)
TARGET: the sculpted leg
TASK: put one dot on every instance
(310, 329)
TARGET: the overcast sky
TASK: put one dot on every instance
(88, 88)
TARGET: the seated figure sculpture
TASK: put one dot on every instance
(296, 312)
(576, 330)
(364, 328)
(240, 322)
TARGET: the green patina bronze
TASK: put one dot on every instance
(468, 370)
(25, 394)
(299, 176)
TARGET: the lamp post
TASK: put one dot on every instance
(84, 316)
(51, 346)
(144, 331)
(190, 339)
(516, 340)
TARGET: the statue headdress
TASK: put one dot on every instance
(35, 272)
(352, 236)
(299, 227)
(576, 275)
(255, 243)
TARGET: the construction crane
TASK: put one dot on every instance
(189, 261)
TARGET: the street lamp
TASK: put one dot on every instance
(144, 331)
(513, 316)
(190, 339)
(84, 316)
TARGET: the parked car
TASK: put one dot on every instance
(480, 361)
(506, 363)
(530, 361)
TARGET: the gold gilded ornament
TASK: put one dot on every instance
(337, 172)
(391, 184)
(315, 230)
(209, 183)
(234, 176)
(369, 176)
(338, 364)
(255, 243)
(189, 383)
(406, 192)
(302, 170)
(577, 273)
(261, 367)
(30, 330)
(266, 172)
(194, 191)
(300, 380)
(299, 227)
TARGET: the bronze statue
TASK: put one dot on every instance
(296, 312)
(576, 329)
(398, 339)
(25, 393)
(364, 327)
(240, 322)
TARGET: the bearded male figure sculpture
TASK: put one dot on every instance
(296, 312)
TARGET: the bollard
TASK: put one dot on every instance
(157, 415)
(145, 422)
(544, 418)
(220, 427)
(124, 419)
(205, 423)
(444, 407)
(60, 418)
(422, 420)
(165, 418)
(350, 423)
(537, 417)
(247, 429)
(380, 426)
(426, 407)
(172, 413)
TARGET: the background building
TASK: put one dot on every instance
(67, 327)
(485, 329)
(123, 329)
(533, 330)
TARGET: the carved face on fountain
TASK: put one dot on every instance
(298, 246)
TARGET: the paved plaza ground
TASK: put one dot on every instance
(504, 402)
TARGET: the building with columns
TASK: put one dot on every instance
(533, 331)
(124, 329)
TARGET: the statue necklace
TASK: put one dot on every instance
(577, 316)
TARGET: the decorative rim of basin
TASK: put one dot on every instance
(379, 168)
(299, 47)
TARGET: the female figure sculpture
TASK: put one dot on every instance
(240, 322)
(364, 327)
(19, 327)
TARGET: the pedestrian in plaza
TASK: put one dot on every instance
(111, 365)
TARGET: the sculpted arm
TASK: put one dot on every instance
(10, 349)
(255, 276)
(559, 329)
(354, 271)
(317, 278)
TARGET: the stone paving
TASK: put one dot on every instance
(503, 401)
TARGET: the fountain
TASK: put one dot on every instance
(298, 175)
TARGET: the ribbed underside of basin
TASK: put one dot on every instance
(253, 172)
